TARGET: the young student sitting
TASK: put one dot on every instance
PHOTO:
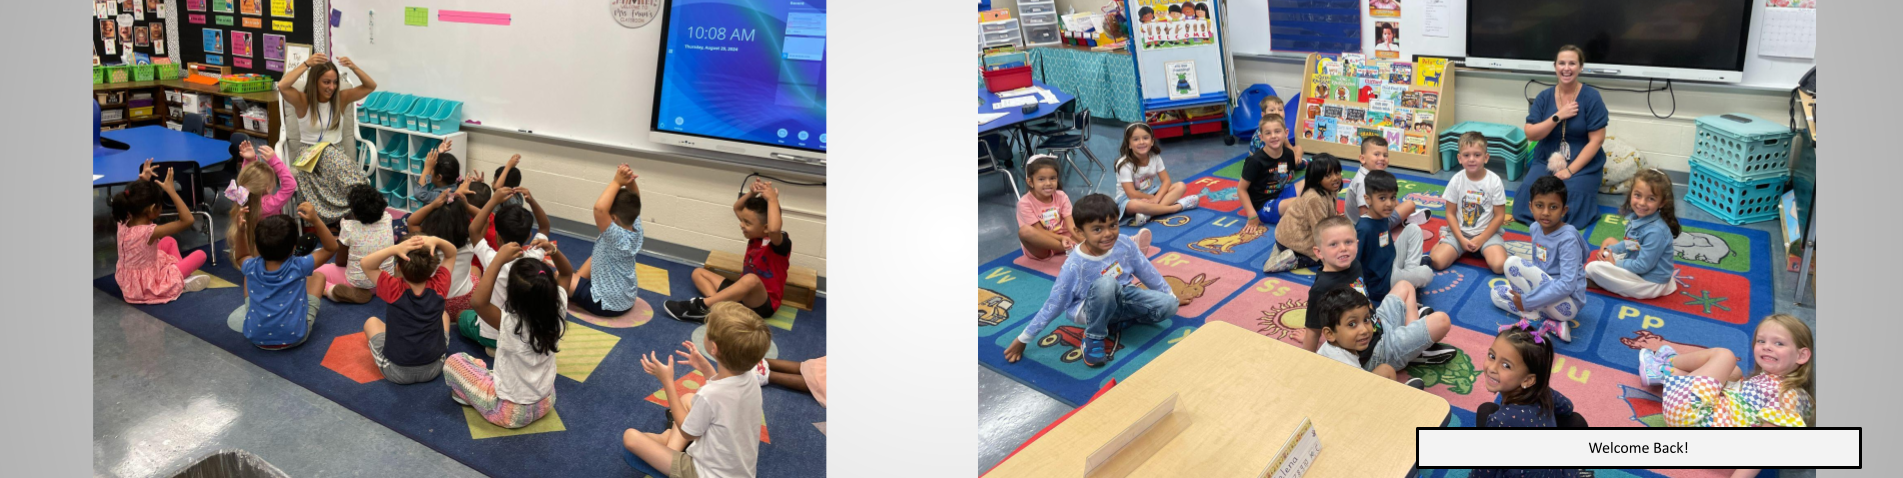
(507, 176)
(1388, 259)
(441, 171)
(1267, 176)
(763, 278)
(1337, 247)
(1518, 370)
(807, 377)
(722, 418)
(1374, 157)
(448, 217)
(261, 172)
(1045, 226)
(1532, 291)
(618, 216)
(279, 289)
(1146, 189)
(1294, 234)
(1382, 340)
(1702, 388)
(512, 226)
(521, 388)
(411, 346)
(1476, 208)
(1640, 266)
(366, 230)
(150, 270)
(1273, 105)
(1096, 288)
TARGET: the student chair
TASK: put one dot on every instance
(1063, 145)
(195, 124)
(1246, 115)
(190, 186)
(1053, 125)
(987, 163)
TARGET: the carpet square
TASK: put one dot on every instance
(1200, 280)
(349, 355)
(480, 428)
(1272, 306)
(652, 278)
(582, 349)
(1008, 297)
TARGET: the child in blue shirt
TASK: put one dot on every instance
(1640, 266)
(1096, 285)
(1532, 291)
(1388, 258)
(607, 288)
(279, 288)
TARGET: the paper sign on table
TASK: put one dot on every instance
(1297, 454)
(416, 16)
(1018, 101)
(1109, 450)
(989, 117)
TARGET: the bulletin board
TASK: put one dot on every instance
(131, 31)
(1347, 96)
(246, 36)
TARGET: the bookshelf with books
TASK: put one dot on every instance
(1348, 97)
(167, 107)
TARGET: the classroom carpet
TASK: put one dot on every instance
(1204, 255)
(601, 390)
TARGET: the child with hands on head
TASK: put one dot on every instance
(281, 290)
(441, 171)
(763, 275)
(512, 224)
(715, 430)
(150, 269)
(1097, 285)
(260, 172)
(1551, 288)
(1476, 209)
(607, 288)
(367, 229)
(531, 321)
(411, 346)
(447, 217)
(1639, 266)
(1294, 233)
(1146, 187)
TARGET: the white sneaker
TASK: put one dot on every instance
(1190, 202)
(1137, 220)
(1281, 261)
(1420, 217)
(195, 283)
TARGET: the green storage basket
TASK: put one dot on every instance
(118, 74)
(99, 75)
(142, 73)
(252, 86)
(166, 71)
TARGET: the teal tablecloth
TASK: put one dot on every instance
(1104, 82)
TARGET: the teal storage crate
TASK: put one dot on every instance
(423, 147)
(1746, 149)
(1736, 202)
(447, 118)
(418, 114)
(392, 113)
(369, 102)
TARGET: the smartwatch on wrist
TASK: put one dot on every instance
(1555, 118)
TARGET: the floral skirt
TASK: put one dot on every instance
(327, 187)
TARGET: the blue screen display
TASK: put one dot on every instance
(744, 70)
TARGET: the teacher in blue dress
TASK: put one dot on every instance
(1569, 121)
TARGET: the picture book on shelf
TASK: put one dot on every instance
(1380, 105)
(1345, 86)
(1424, 121)
(1364, 133)
(1368, 91)
(1429, 100)
(1312, 111)
(1354, 114)
(1414, 143)
(1401, 73)
(1410, 99)
(1331, 111)
(1392, 92)
(1352, 61)
(1318, 88)
(1376, 118)
(1393, 135)
(1402, 118)
(1427, 72)
(1325, 130)
(1308, 129)
(1370, 72)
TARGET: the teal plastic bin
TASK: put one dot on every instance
(392, 112)
(369, 102)
(418, 114)
(447, 118)
(423, 147)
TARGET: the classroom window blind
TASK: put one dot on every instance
(1326, 26)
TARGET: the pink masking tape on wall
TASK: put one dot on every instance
(472, 17)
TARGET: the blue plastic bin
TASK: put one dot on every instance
(369, 101)
(447, 118)
(392, 113)
(1750, 149)
(1735, 202)
(418, 113)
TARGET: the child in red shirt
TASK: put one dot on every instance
(763, 278)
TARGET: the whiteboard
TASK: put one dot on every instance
(562, 69)
(1249, 32)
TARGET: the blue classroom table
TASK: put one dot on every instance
(156, 143)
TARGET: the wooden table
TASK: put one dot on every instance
(1242, 394)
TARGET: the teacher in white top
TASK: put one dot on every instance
(322, 120)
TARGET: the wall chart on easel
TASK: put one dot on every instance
(1180, 66)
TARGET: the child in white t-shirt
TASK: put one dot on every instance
(715, 431)
(1476, 210)
(1146, 189)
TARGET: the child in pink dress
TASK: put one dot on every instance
(150, 270)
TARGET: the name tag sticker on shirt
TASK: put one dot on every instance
(1384, 239)
(1539, 252)
(1050, 218)
(1281, 168)
(1115, 270)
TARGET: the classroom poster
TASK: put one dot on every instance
(296, 53)
(125, 35)
(158, 41)
(141, 37)
(274, 65)
(1181, 78)
(283, 8)
(273, 47)
(158, 8)
(253, 22)
(214, 42)
(215, 60)
(112, 47)
(107, 31)
(1384, 9)
(280, 25)
(1175, 24)
(225, 20)
(195, 5)
(1387, 39)
(250, 7)
(99, 9)
(241, 44)
(222, 6)
(138, 10)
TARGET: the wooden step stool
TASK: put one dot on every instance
(802, 284)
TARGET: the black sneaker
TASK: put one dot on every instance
(1435, 355)
(1416, 383)
(1425, 311)
(684, 311)
(669, 413)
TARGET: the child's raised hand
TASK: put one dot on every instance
(544, 244)
(623, 174)
(513, 160)
(654, 366)
(308, 212)
(509, 251)
(771, 193)
(501, 194)
(167, 185)
(243, 212)
(444, 146)
(266, 151)
(524, 191)
(147, 170)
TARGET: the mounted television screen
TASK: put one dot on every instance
(1700, 40)
(744, 77)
